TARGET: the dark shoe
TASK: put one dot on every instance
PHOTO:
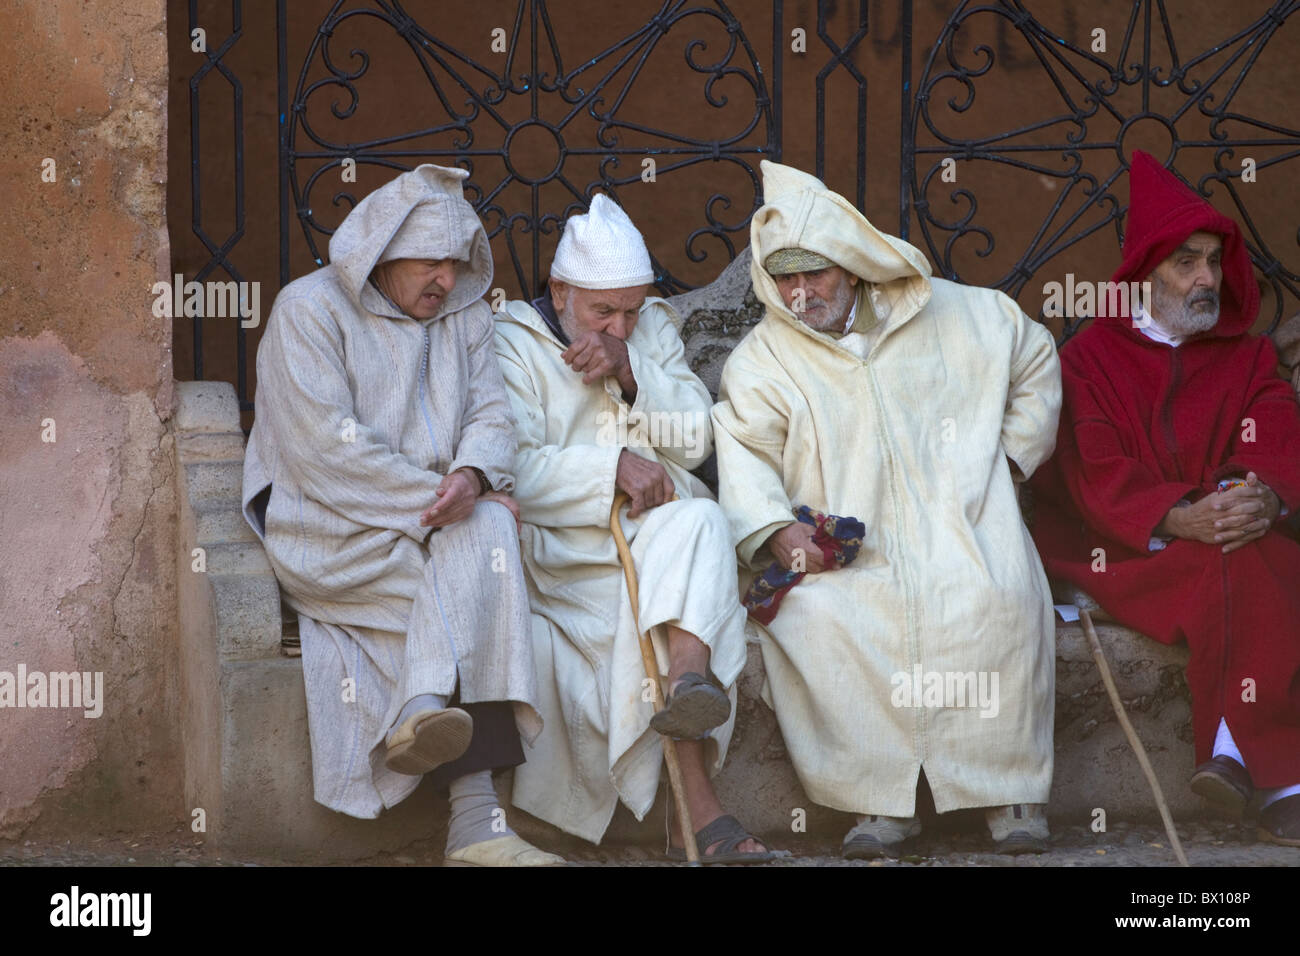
(1279, 822)
(1223, 781)
(696, 707)
(727, 832)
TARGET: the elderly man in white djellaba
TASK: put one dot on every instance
(605, 402)
(871, 430)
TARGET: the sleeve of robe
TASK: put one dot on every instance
(1274, 452)
(751, 421)
(300, 368)
(1034, 396)
(487, 436)
(556, 486)
(1118, 495)
(666, 384)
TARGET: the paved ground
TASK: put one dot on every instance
(1207, 843)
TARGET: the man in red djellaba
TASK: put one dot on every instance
(1178, 453)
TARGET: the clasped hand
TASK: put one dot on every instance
(1232, 518)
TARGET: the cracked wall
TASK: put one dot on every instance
(87, 574)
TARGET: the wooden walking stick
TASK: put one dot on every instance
(652, 672)
(1100, 658)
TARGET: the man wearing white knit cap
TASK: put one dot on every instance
(604, 402)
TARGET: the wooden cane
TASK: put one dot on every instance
(1099, 657)
(652, 672)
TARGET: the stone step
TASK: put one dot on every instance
(266, 797)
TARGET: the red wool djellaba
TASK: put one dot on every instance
(1144, 425)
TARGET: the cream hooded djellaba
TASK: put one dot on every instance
(916, 440)
(361, 412)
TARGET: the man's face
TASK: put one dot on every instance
(611, 311)
(1185, 287)
(822, 299)
(417, 286)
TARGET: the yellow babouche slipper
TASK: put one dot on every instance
(510, 850)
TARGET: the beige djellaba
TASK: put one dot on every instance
(913, 427)
(361, 412)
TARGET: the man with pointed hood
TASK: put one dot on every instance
(605, 402)
(1179, 449)
(376, 475)
(872, 391)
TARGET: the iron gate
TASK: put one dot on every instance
(1063, 148)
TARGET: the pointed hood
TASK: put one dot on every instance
(420, 214)
(1162, 213)
(799, 212)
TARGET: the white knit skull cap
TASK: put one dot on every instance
(602, 250)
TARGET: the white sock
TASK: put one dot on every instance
(1277, 793)
(416, 704)
(1224, 745)
(474, 816)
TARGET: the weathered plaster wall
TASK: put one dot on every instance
(87, 574)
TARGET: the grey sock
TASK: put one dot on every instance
(474, 812)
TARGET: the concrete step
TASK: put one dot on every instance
(264, 801)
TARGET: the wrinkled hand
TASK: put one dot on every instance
(456, 496)
(596, 355)
(503, 498)
(1230, 518)
(786, 544)
(646, 482)
(1194, 522)
(1246, 513)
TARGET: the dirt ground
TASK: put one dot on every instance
(1207, 843)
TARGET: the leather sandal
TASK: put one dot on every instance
(696, 707)
(727, 832)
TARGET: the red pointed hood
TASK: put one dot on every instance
(1162, 213)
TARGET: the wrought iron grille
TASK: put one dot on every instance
(1095, 118)
(1081, 147)
(596, 88)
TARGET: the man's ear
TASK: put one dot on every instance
(854, 280)
(559, 294)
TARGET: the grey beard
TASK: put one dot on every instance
(1178, 317)
(831, 318)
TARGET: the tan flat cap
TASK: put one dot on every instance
(786, 261)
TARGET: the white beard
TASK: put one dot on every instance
(833, 315)
(567, 324)
(1177, 316)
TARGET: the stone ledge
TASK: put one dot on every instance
(206, 407)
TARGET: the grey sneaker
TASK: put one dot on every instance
(878, 836)
(1018, 828)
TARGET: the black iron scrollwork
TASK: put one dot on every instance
(472, 94)
(1092, 121)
